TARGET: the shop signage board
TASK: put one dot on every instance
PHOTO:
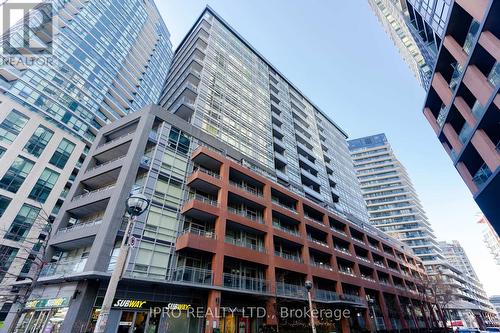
(41, 303)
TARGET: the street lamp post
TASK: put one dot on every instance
(309, 286)
(136, 205)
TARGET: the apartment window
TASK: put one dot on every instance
(12, 125)
(62, 154)
(22, 223)
(7, 255)
(4, 203)
(17, 173)
(44, 185)
(2, 151)
(38, 141)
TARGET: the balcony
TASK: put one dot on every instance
(342, 250)
(79, 224)
(245, 243)
(288, 256)
(482, 175)
(494, 76)
(244, 283)
(92, 193)
(317, 241)
(443, 113)
(478, 110)
(322, 265)
(192, 275)
(465, 133)
(245, 187)
(247, 214)
(290, 290)
(63, 268)
(326, 295)
(353, 299)
(282, 205)
(455, 76)
(346, 271)
(202, 198)
(471, 37)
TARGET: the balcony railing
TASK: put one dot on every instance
(90, 193)
(465, 133)
(471, 36)
(379, 264)
(353, 298)
(342, 250)
(455, 76)
(478, 110)
(290, 290)
(339, 231)
(97, 166)
(347, 271)
(202, 198)
(239, 282)
(244, 213)
(307, 217)
(206, 171)
(245, 243)
(193, 275)
(482, 175)
(316, 241)
(64, 267)
(78, 224)
(494, 76)
(321, 265)
(199, 232)
(291, 209)
(288, 256)
(443, 112)
(290, 231)
(326, 295)
(363, 258)
(247, 188)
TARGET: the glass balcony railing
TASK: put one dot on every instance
(245, 243)
(322, 265)
(78, 224)
(465, 133)
(193, 275)
(206, 171)
(288, 256)
(290, 290)
(494, 76)
(249, 215)
(443, 112)
(342, 250)
(247, 188)
(239, 282)
(199, 232)
(282, 205)
(482, 175)
(202, 198)
(455, 76)
(471, 36)
(281, 227)
(478, 110)
(353, 298)
(63, 267)
(326, 295)
(91, 193)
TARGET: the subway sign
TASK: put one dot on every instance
(123, 303)
(48, 303)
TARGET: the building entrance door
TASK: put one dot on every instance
(135, 322)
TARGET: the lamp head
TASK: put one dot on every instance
(137, 204)
(309, 285)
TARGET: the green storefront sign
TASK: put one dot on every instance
(42, 303)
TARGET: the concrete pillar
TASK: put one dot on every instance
(80, 307)
(487, 149)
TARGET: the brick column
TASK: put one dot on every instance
(486, 149)
(384, 309)
(344, 323)
(213, 310)
(271, 315)
(366, 312)
(432, 120)
(220, 227)
(399, 309)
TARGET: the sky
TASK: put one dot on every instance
(337, 54)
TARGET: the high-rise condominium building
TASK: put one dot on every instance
(416, 27)
(495, 300)
(392, 203)
(462, 103)
(37, 162)
(218, 235)
(464, 298)
(252, 191)
(491, 239)
(220, 84)
(109, 58)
